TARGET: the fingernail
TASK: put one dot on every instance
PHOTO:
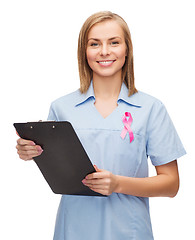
(32, 143)
(83, 181)
(39, 149)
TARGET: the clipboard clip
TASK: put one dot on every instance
(31, 127)
(52, 121)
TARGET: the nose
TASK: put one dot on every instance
(105, 50)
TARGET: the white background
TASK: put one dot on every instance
(38, 63)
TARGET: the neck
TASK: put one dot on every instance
(106, 87)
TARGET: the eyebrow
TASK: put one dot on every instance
(96, 39)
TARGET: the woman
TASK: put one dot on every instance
(119, 128)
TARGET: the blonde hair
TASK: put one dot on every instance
(85, 72)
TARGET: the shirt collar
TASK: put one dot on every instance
(123, 96)
(83, 97)
(133, 100)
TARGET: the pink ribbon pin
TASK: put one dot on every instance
(127, 124)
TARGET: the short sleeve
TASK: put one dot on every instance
(52, 115)
(163, 143)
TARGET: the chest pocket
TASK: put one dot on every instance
(109, 151)
(126, 157)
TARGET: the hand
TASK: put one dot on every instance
(27, 149)
(101, 181)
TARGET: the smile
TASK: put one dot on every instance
(106, 63)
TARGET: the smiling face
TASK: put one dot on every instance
(106, 49)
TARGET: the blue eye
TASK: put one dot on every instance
(94, 44)
(114, 43)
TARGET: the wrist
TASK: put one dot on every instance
(118, 185)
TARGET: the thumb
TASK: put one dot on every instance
(96, 168)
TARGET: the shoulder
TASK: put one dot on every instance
(151, 108)
(146, 101)
(68, 99)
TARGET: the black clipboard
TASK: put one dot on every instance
(63, 162)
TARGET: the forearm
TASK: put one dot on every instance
(165, 184)
(158, 186)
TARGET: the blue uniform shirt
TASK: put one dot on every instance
(118, 216)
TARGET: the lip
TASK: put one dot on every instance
(106, 63)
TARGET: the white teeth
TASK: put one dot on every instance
(105, 62)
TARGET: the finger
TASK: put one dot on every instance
(25, 158)
(102, 187)
(95, 181)
(96, 168)
(29, 152)
(101, 191)
(99, 187)
(22, 141)
(101, 174)
(28, 155)
(17, 134)
(95, 185)
(29, 148)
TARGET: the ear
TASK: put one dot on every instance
(126, 52)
